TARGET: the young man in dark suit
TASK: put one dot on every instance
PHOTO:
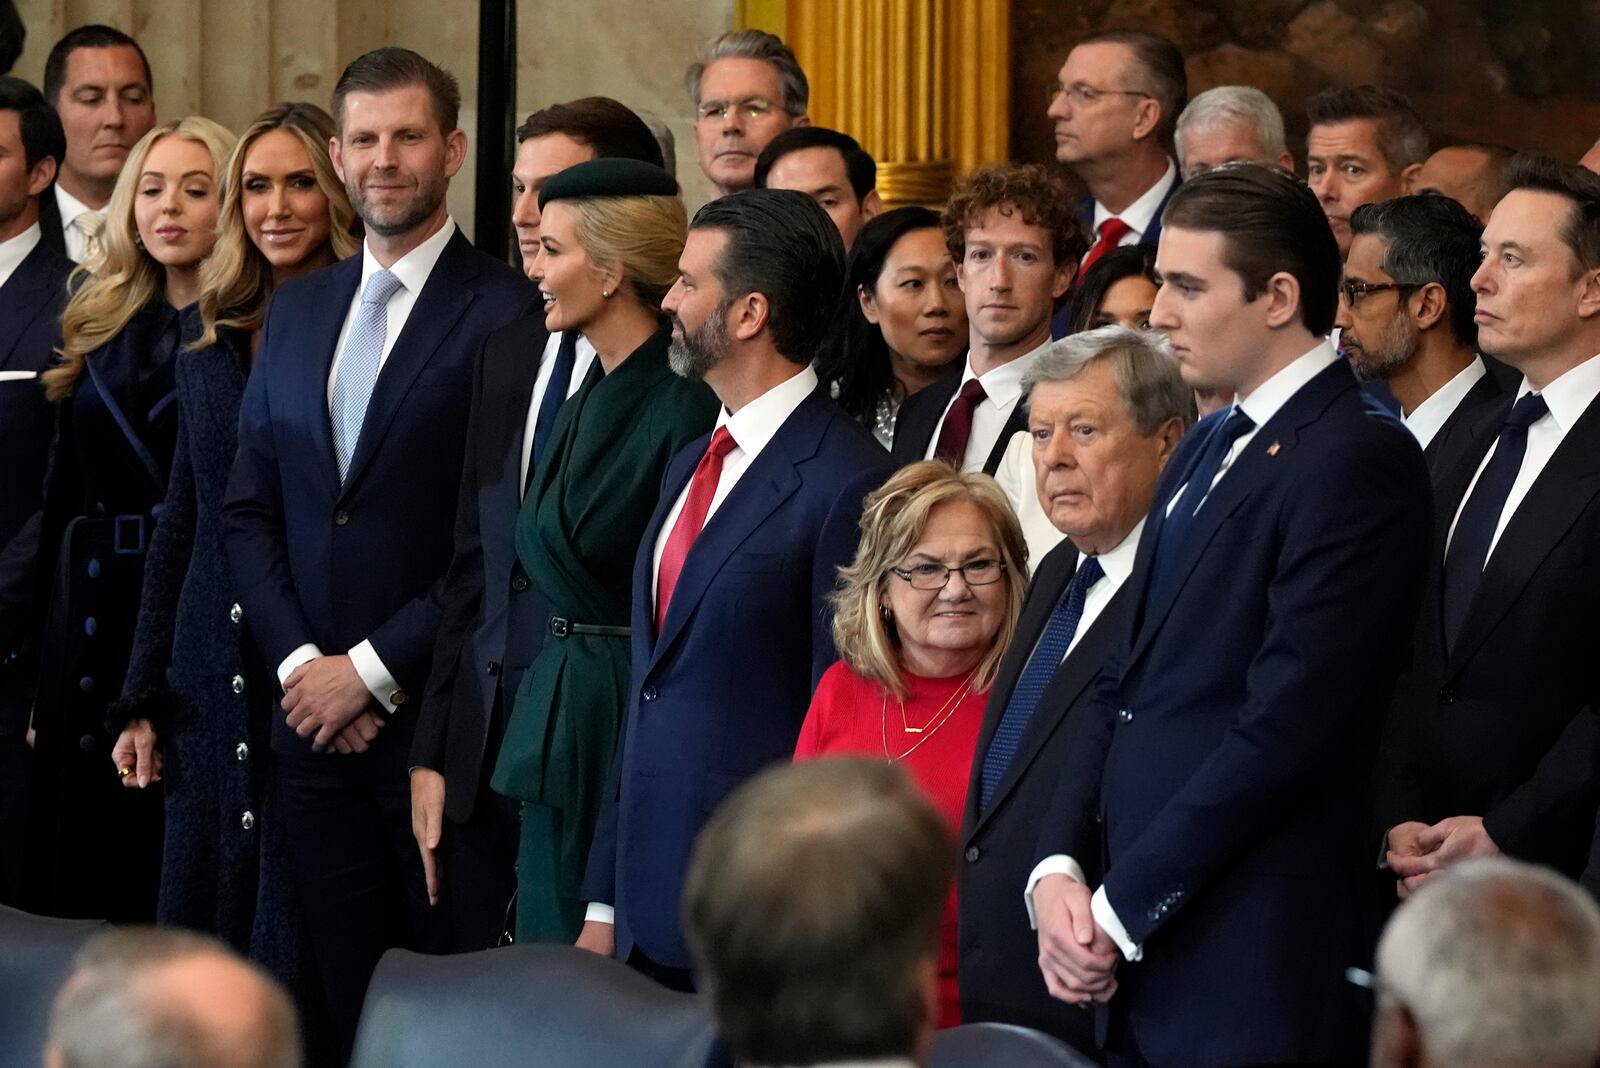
(493, 616)
(1106, 409)
(339, 519)
(1502, 743)
(731, 623)
(33, 290)
(1224, 773)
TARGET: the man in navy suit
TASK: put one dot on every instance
(33, 288)
(1222, 782)
(340, 511)
(492, 612)
(1114, 107)
(731, 628)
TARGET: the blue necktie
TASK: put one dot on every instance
(1041, 666)
(1468, 554)
(358, 366)
(555, 395)
(1204, 473)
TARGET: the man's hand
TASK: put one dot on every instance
(322, 696)
(1405, 855)
(1447, 842)
(597, 937)
(136, 750)
(359, 735)
(1077, 957)
(427, 823)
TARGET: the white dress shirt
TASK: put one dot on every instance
(1002, 388)
(1260, 406)
(1433, 413)
(751, 428)
(1138, 215)
(71, 207)
(1016, 478)
(1568, 398)
(14, 250)
(412, 270)
(583, 357)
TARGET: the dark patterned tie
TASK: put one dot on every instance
(957, 429)
(555, 395)
(1181, 517)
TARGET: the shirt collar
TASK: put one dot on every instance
(1142, 212)
(1118, 563)
(1432, 413)
(757, 423)
(1003, 384)
(1275, 392)
(414, 267)
(14, 250)
(1570, 395)
(70, 207)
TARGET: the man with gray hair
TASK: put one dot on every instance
(1230, 124)
(150, 998)
(1495, 964)
(746, 88)
(1106, 409)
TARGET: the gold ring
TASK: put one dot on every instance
(124, 771)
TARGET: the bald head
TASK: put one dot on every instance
(1474, 176)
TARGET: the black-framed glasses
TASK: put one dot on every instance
(1083, 95)
(752, 108)
(937, 576)
(1352, 290)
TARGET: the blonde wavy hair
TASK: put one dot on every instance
(645, 234)
(124, 277)
(236, 279)
(892, 521)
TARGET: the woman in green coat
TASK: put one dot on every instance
(611, 232)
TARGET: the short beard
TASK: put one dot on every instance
(1396, 349)
(403, 219)
(697, 353)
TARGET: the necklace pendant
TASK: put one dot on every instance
(914, 730)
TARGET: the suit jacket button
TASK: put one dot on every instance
(236, 614)
(248, 820)
(238, 684)
(519, 583)
(973, 853)
(1446, 695)
(341, 517)
(493, 667)
(1125, 716)
(241, 751)
(649, 693)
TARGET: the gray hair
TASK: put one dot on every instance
(1228, 104)
(1498, 962)
(1142, 365)
(107, 1015)
(754, 44)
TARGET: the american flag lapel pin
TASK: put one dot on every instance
(1272, 450)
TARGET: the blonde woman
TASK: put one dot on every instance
(611, 232)
(183, 715)
(922, 619)
(116, 430)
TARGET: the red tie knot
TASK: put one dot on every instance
(722, 443)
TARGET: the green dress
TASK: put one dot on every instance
(579, 530)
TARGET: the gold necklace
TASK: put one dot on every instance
(925, 730)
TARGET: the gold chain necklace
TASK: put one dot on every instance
(926, 730)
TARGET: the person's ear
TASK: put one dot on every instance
(1432, 308)
(1283, 299)
(869, 305)
(871, 205)
(751, 314)
(455, 152)
(336, 157)
(1147, 116)
(1168, 435)
(41, 175)
(1408, 178)
(1589, 300)
(1064, 274)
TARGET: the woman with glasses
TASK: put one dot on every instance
(922, 619)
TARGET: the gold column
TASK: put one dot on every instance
(924, 85)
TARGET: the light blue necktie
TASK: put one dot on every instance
(358, 367)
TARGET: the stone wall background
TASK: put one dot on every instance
(1525, 73)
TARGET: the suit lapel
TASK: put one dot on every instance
(913, 430)
(25, 296)
(329, 304)
(1016, 421)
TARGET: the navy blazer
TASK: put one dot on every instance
(722, 691)
(1225, 774)
(314, 561)
(1084, 209)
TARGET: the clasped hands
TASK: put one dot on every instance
(326, 701)
(1076, 955)
(1418, 852)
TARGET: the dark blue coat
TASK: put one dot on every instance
(722, 691)
(1235, 731)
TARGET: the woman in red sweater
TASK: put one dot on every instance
(921, 621)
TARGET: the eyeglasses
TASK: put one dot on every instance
(937, 576)
(1353, 291)
(753, 108)
(1085, 95)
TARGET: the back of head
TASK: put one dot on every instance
(1161, 63)
(40, 126)
(1270, 223)
(1429, 238)
(754, 44)
(611, 129)
(859, 166)
(782, 245)
(384, 70)
(1497, 964)
(152, 998)
(812, 908)
(1402, 137)
(1227, 105)
(94, 35)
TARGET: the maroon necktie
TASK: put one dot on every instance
(1112, 231)
(702, 488)
(957, 429)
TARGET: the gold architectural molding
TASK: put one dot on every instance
(924, 85)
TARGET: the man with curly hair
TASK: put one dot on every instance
(1011, 230)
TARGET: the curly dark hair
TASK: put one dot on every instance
(1036, 195)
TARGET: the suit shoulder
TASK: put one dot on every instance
(495, 276)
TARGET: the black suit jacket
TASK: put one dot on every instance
(50, 224)
(1455, 440)
(998, 970)
(492, 612)
(1504, 725)
(919, 418)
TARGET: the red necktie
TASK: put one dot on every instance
(952, 447)
(702, 488)
(1112, 231)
